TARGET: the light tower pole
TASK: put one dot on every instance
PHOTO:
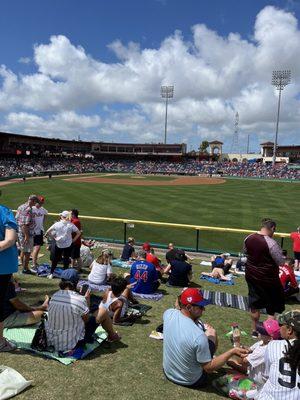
(167, 92)
(280, 79)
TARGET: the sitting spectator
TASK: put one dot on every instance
(86, 254)
(69, 324)
(254, 364)
(171, 253)
(128, 250)
(241, 264)
(17, 313)
(151, 257)
(189, 345)
(180, 271)
(222, 262)
(144, 275)
(101, 270)
(287, 278)
(282, 360)
(115, 300)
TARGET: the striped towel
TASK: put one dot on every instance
(228, 300)
(153, 296)
(93, 286)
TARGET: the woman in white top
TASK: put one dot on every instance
(101, 270)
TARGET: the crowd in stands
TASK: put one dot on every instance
(34, 166)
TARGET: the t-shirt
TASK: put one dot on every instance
(145, 274)
(287, 277)
(38, 214)
(127, 252)
(171, 255)
(295, 236)
(256, 359)
(99, 272)
(218, 262)
(77, 223)
(8, 308)
(8, 257)
(65, 326)
(151, 258)
(282, 383)
(179, 273)
(264, 256)
(185, 348)
(62, 233)
(24, 216)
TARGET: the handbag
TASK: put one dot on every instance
(39, 341)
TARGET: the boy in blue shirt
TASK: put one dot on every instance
(144, 275)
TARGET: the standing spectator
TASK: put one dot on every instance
(264, 256)
(25, 222)
(189, 345)
(61, 232)
(8, 264)
(144, 275)
(75, 251)
(39, 217)
(128, 250)
(295, 236)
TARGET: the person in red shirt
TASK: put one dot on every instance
(295, 236)
(287, 278)
(151, 257)
(75, 250)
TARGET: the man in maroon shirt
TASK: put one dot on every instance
(264, 256)
(75, 250)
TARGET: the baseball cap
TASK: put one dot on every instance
(290, 318)
(270, 327)
(193, 296)
(65, 214)
(70, 275)
(41, 199)
(146, 246)
(33, 197)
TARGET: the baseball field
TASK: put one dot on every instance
(132, 369)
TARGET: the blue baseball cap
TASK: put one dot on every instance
(70, 275)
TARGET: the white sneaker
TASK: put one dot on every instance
(50, 276)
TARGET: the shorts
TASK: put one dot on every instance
(297, 255)
(269, 297)
(25, 247)
(17, 319)
(4, 282)
(38, 240)
(75, 251)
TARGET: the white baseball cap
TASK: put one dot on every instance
(65, 214)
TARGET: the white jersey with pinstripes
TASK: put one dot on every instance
(65, 326)
(282, 383)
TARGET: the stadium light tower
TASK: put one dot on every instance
(167, 92)
(280, 79)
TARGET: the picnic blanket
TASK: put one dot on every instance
(206, 263)
(121, 264)
(93, 286)
(44, 270)
(153, 296)
(228, 300)
(218, 281)
(22, 337)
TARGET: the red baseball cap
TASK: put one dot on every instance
(193, 296)
(146, 246)
(41, 199)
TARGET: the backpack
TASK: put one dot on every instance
(39, 341)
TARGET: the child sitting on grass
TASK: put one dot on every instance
(116, 299)
(254, 364)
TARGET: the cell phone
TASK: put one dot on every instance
(84, 289)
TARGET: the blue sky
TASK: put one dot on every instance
(94, 68)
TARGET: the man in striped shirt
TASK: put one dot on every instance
(70, 325)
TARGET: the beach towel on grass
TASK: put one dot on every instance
(44, 270)
(206, 263)
(228, 300)
(93, 286)
(218, 281)
(22, 337)
(121, 264)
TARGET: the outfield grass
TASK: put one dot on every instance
(235, 204)
(132, 369)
